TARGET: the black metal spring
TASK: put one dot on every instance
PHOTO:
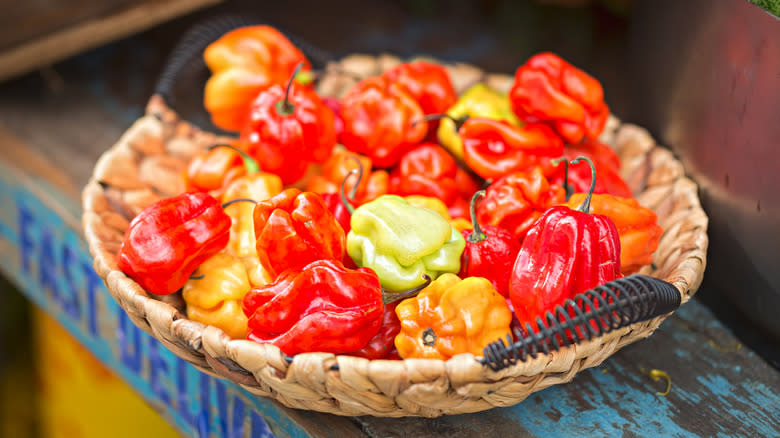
(187, 55)
(598, 311)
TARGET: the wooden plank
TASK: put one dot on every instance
(91, 32)
(717, 387)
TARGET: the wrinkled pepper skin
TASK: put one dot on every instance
(478, 101)
(212, 170)
(494, 148)
(244, 62)
(550, 90)
(337, 167)
(382, 345)
(285, 140)
(321, 307)
(426, 170)
(607, 165)
(566, 252)
(430, 203)
(518, 200)
(637, 227)
(216, 298)
(295, 228)
(379, 121)
(168, 240)
(452, 316)
(403, 243)
(490, 252)
(242, 244)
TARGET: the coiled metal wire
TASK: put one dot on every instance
(593, 313)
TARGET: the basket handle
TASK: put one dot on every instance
(613, 305)
(188, 52)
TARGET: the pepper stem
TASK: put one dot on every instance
(585, 206)
(566, 186)
(458, 121)
(284, 107)
(476, 235)
(389, 297)
(346, 199)
(249, 163)
(237, 200)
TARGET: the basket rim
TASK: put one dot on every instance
(308, 380)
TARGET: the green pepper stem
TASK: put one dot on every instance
(249, 163)
(585, 206)
(353, 191)
(566, 186)
(237, 200)
(458, 121)
(390, 297)
(476, 235)
(284, 107)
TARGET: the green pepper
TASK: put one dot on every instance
(478, 101)
(403, 243)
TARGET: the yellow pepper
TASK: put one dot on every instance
(478, 101)
(430, 203)
(452, 316)
(214, 294)
(242, 244)
(461, 224)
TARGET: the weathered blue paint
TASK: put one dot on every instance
(53, 268)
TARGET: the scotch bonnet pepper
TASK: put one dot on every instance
(321, 307)
(565, 252)
(451, 316)
(402, 243)
(244, 62)
(214, 295)
(214, 168)
(168, 240)
(550, 90)
(295, 228)
(478, 101)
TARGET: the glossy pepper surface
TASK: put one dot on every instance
(379, 120)
(550, 90)
(403, 243)
(637, 227)
(578, 179)
(168, 240)
(490, 251)
(565, 252)
(478, 101)
(295, 228)
(494, 148)
(257, 186)
(336, 169)
(518, 200)
(382, 345)
(451, 316)
(243, 63)
(214, 168)
(321, 307)
(288, 129)
(214, 295)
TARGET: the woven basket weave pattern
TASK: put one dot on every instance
(145, 164)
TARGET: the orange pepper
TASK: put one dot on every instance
(452, 316)
(213, 169)
(244, 62)
(338, 166)
(637, 226)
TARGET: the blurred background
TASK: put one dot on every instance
(703, 76)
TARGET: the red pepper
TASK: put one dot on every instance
(168, 240)
(295, 228)
(550, 90)
(382, 346)
(490, 252)
(288, 129)
(380, 120)
(494, 148)
(321, 307)
(566, 252)
(429, 84)
(426, 170)
(578, 180)
(517, 200)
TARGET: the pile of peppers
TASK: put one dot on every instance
(399, 221)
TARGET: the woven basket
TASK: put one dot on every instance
(144, 166)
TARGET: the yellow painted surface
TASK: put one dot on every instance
(81, 398)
